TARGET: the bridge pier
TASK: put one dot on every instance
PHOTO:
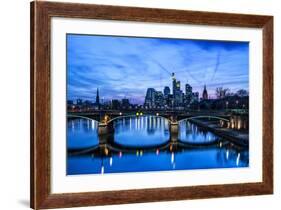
(102, 129)
(174, 131)
(105, 131)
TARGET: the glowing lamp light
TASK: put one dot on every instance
(120, 154)
(141, 113)
(157, 152)
(157, 114)
(137, 114)
(106, 151)
(238, 159)
(120, 113)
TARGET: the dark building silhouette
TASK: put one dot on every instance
(188, 94)
(115, 104)
(98, 99)
(159, 99)
(150, 98)
(177, 93)
(125, 103)
(205, 93)
(79, 101)
(166, 91)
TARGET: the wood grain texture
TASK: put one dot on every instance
(41, 14)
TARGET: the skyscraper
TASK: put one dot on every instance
(177, 93)
(205, 93)
(166, 91)
(150, 98)
(188, 89)
(159, 99)
(188, 94)
(167, 94)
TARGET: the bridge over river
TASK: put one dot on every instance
(106, 118)
(178, 115)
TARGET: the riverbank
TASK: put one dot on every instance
(237, 137)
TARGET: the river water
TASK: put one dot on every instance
(141, 144)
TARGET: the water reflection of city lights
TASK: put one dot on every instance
(94, 125)
(157, 152)
(102, 170)
(172, 157)
(238, 159)
(227, 154)
(110, 161)
(120, 154)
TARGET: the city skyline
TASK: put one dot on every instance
(123, 67)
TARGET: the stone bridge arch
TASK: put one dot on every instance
(82, 117)
(204, 117)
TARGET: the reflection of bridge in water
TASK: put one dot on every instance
(105, 148)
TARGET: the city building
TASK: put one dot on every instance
(159, 99)
(177, 99)
(150, 98)
(115, 104)
(166, 91)
(79, 101)
(177, 93)
(125, 103)
(188, 95)
(195, 97)
(205, 93)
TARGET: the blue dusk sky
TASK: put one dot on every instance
(124, 67)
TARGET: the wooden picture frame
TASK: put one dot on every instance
(41, 14)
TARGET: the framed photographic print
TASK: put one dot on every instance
(139, 105)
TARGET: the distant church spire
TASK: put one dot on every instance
(98, 98)
(205, 93)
